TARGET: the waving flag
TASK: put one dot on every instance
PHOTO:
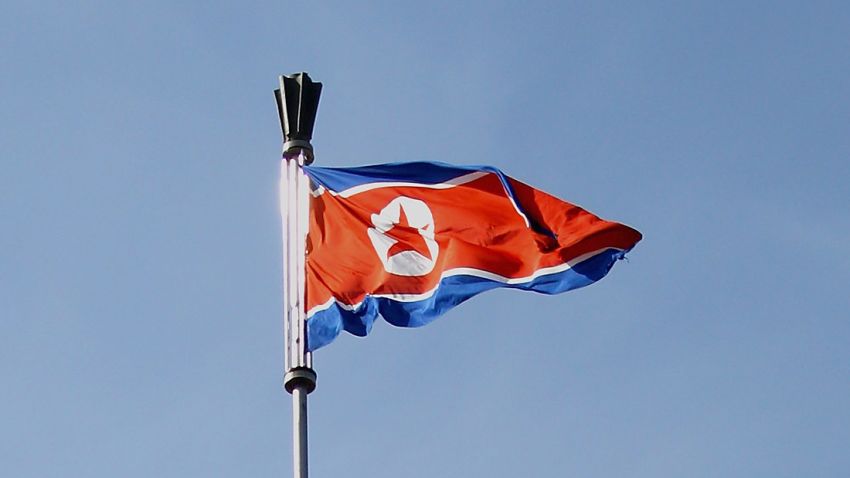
(409, 241)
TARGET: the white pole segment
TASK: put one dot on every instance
(300, 378)
(295, 204)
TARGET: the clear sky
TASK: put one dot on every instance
(140, 276)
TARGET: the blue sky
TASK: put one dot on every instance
(140, 275)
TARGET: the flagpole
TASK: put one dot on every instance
(297, 102)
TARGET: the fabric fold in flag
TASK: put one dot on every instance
(409, 241)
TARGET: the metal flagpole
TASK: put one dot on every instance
(297, 103)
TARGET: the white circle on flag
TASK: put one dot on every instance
(408, 262)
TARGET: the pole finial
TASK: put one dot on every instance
(297, 104)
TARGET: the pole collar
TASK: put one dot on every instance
(300, 377)
(296, 144)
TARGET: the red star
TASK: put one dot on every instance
(408, 237)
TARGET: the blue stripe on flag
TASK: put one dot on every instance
(423, 172)
(325, 325)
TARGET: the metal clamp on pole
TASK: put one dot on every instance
(300, 377)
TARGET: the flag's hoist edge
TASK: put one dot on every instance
(326, 321)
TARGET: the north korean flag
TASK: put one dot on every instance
(409, 241)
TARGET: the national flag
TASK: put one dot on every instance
(409, 241)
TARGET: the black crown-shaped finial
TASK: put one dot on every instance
(297, 104)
